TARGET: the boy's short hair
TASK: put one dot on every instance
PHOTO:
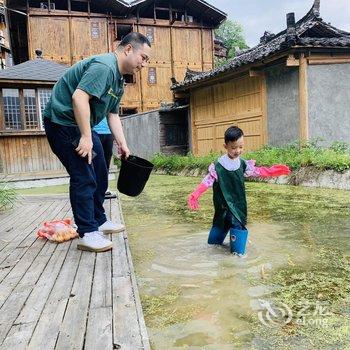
(135, 40)
(232, 134)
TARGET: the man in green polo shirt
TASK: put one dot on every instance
(85, 94)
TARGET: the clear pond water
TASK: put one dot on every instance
(197, 296)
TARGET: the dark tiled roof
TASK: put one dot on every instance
(310, 31)
(37, 70)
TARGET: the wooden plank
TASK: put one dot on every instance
(137, 300)
(118, 217)
(99, 330)
(48, 326)
(15, 238)
(119, 258)
(31, 247)
(15, 250)
(29, 315)
(292, 61)
(126, 334)
(99, 327)
(15, 301)
(335, 60)
(303, 100)
(72, 330)
(9, 220)
(256, 73)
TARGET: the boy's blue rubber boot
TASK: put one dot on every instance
(238, 241)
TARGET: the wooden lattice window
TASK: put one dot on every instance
(12, 109)
(95, 31)
(23, 108)
(44, 97)
(150, 34)
(31, 117)
(152, 75)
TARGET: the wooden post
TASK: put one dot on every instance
(70, 32)
(193, 125)
(154, 12)
(212, 49)
(171, 22)
(172, 52)
(30, 47)
(303, 100)
(109, 48)
(202, 45)
(2, 117)
(22, 109)
(264, 108)
(38, 110)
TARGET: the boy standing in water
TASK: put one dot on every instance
(226, 176)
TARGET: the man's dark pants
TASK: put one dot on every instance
(107, 145)
(88, 182)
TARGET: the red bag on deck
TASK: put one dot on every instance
(58, 230)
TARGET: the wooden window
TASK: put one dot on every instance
(44, 97)
(152, 75)
(12, 114)
(150, 34)
(30, 105)
(45, 5)
(23, 108)
(129, 78)
(95, 31)
(122, 30)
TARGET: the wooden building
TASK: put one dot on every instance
(24, 91)
(220, 49)
(5, 52)
(181, 33)
(294, 85)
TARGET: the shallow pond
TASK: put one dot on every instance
(291, 290)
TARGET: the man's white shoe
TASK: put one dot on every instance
(111, 227)
(94, 242)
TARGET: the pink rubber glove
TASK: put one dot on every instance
(193, 197)
(274, 170)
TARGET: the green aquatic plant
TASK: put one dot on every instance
(165, 309)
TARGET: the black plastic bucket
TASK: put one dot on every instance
(133, 175)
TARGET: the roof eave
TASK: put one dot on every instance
(9, 81)
(237, 70)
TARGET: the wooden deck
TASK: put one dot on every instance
(53, 296)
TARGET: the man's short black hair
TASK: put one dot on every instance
(135, 40)
(232, 134)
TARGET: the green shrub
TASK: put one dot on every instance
(7, 196)
(295, 155)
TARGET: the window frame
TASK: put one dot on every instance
(152, 72)
(22, 109)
